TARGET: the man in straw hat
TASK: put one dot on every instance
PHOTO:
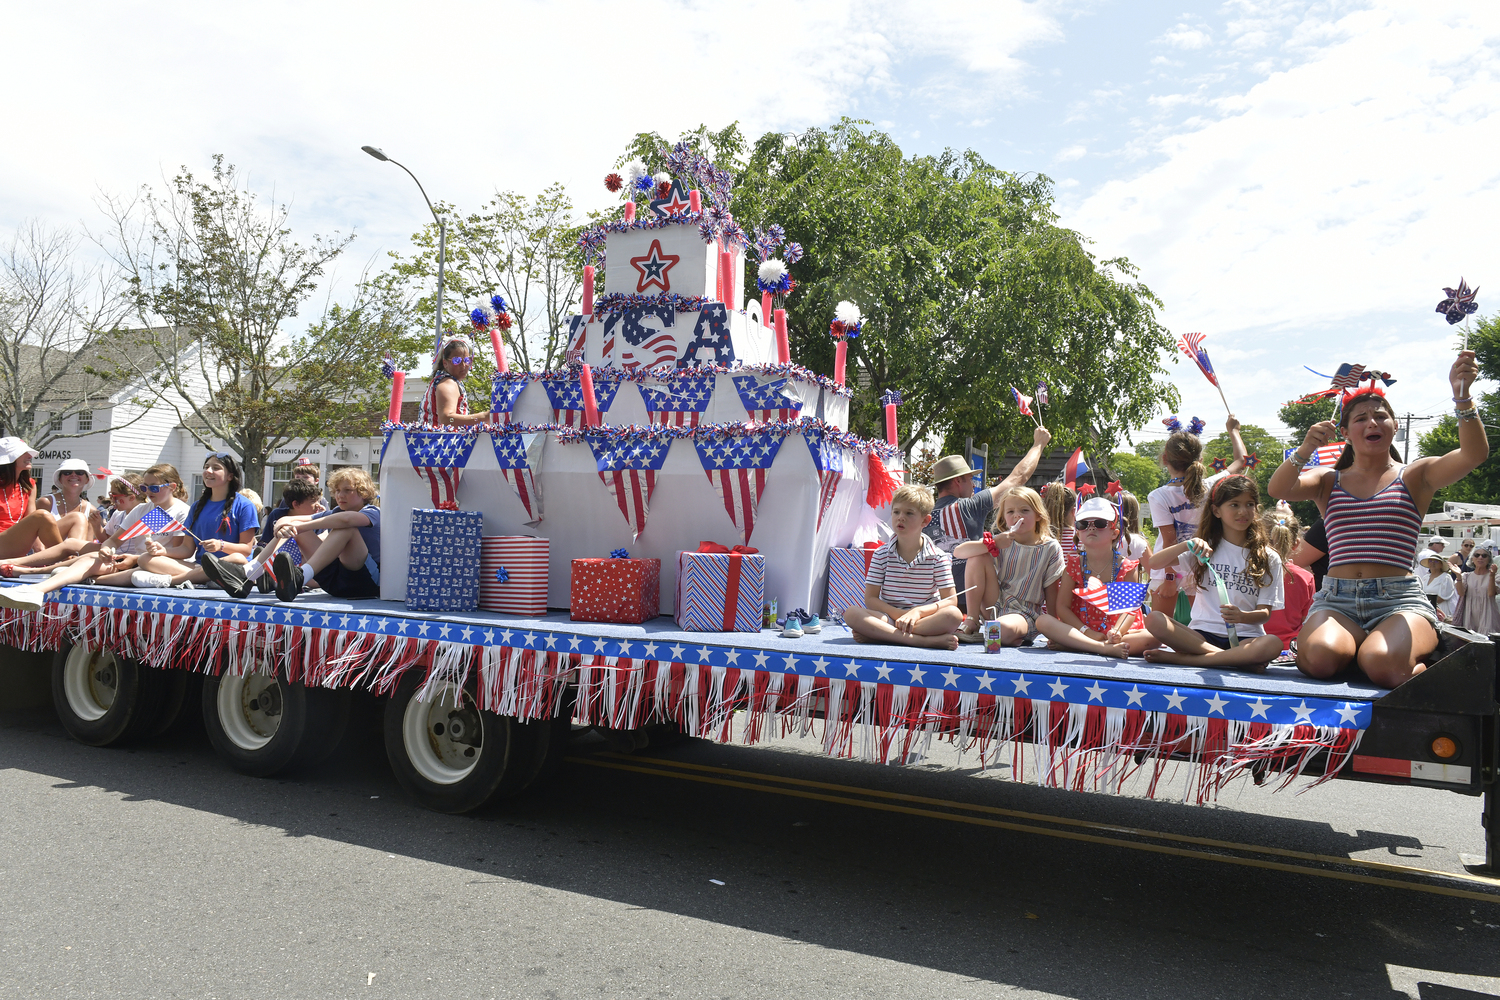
(961, 514)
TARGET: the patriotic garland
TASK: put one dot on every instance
(666, 373)
(615, 302)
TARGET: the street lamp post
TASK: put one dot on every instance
(437, 338)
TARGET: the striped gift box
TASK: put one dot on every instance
(525, 561)
(720, 591)
(846, 579)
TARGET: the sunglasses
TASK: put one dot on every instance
(1094, 524)
(74, 472)
(464, 361)
(217, 454)
(149, 488)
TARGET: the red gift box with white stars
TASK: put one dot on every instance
(623, 591)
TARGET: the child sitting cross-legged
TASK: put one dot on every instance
(1235, 561)
(1020, 577)
(909, 594)
(1081, 624)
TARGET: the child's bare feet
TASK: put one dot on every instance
(1118, 650)
(860, 637)
(1162, 654)
(949, 641)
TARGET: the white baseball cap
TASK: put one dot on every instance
(1097, 507)
(12, 448)
(70, 465)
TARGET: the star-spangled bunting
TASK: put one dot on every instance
(829, 460)
(628, 466)
(680, 402)
(767, 400)
(440, 457)
(578, 332)
(519, 456)
(566, 395)
(1192, 345)
(653, 268)
(154, 522)
(638, 345)
(711, 343)
(737, 467)
(503, 395)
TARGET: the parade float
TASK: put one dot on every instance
(600, 551)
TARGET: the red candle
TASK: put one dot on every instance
(588, 289)
(840, 354)
(726, 278)
(630, 211)
(890, 425)
(765, 308)
(695, 200)
(783, 349)
(590, 405)
(499, 347)
(398, 386)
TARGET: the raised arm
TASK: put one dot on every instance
(1432, 474)
(1025, 468)
(1288, 482)
(1232, 426)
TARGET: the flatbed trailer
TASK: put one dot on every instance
(479, 705)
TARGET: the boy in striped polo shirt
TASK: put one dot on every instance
(909, 594)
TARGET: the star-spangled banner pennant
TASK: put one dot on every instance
(829, 459)
(680, 401)
(628, 466)
(566, 395)
(519, 456)
(737, 468)
(440, 457)
(767, 400)
(503, 395)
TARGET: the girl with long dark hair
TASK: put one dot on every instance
(224, 520)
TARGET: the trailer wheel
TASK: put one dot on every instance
(262, 725)
(551, 738)
(450, 756)
(103, 698)
(173, 703)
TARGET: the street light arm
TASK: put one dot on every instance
(413, 176)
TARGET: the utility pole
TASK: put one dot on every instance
(1406, 445)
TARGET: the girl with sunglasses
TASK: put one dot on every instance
(111, 562)
(1477, 586)
(1080, 624)
(1232, 540)
(225, 521)
(122, 495)
(22, 525)
(446, 404)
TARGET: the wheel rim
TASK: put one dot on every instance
(442, 737)
(91, 681)
(250, 709)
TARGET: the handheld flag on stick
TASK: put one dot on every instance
(1075, 467)
(1023, 403)
(1192, 345)
(1041, 399)
(155, 521)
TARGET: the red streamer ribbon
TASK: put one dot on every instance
(732, 591)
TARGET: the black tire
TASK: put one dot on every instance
(261, 725)
(101, 698)
(450, 756)
(173, 702)
(551, 738)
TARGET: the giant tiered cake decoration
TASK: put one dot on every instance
(672, 422)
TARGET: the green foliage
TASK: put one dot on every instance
(1137, 474)
(1483, 484)
(1151, 449)
(1301, 416)
(967, 284)
(1268, 451)
(725, 148)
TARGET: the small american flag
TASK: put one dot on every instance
(1324, 456)
(154, 522)
(1125, 596)
(1192, 346)
(1041, 393)
(1023, 403)
(1097, 595)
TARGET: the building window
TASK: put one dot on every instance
(196, 488)
(281, 474)
(375, 472)
(85, 420)
(39, 476)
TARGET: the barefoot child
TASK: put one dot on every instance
(1233, 540)
(1080, 624)
(1020, 579)
(1175, 507)
(909, 593)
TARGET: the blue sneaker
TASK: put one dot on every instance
(793, 627)
(811, 624)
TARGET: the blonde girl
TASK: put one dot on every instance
(1133, 542)
(1284, 534)
(1175, 507)
(445, 403)
(1235, 553)
(1021, 577)
(1061, 501)
(1078, 623)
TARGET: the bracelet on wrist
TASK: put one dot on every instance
(1466, 413)
(1463, 399)
(990, 545)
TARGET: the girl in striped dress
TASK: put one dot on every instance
(1021, 575)
(445, 404)
(1371, 611)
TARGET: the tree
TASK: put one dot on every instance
(1137, 474)
(1301, 416)
(1483, 484)
(524, 249)
(56, 318)
(213, 280)
(968, 287)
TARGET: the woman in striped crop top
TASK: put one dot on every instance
(1371, 609)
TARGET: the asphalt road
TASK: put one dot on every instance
(158, 872)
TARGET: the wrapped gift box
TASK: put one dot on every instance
(624, 591)
(720, 591)
(443, 574)
(524, 560)
(847, 569)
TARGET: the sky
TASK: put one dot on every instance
(1297, 181)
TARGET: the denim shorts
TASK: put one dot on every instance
(1369, 602)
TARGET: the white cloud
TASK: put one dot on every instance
(1076, 152)
(1322, 211)
(1185, 36)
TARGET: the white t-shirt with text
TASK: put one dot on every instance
(1228, 561)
